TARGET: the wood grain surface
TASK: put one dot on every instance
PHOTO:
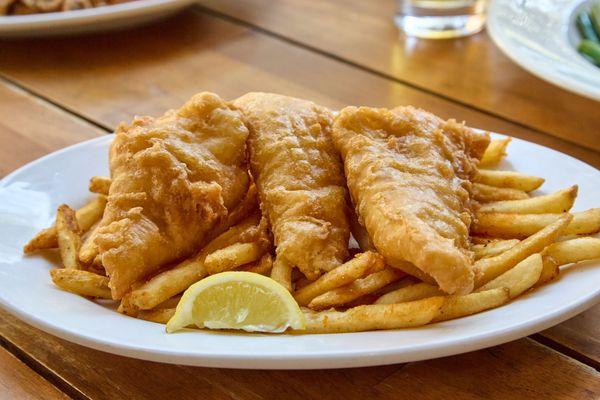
(31, 128)
(471, 71)
(195, 52)
(57, 92)
(18, 381)
(518, 370)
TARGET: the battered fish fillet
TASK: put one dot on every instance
(173, 179)
(408, 173)
(300, 180)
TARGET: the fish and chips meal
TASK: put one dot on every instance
(271, 213)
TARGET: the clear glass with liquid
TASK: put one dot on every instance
(440, 19)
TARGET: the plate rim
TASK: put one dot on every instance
(495, 30)
(25, 23)
(333, 359)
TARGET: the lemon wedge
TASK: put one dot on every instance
(237, 300)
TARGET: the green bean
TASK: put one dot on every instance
(586, 29)
(591, 50)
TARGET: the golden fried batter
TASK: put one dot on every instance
(173, 179)
(299, 178)
(408, 173)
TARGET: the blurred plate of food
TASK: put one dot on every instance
(26, 18)
(556, 40)
(184, 212)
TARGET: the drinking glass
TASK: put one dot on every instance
(440, 19)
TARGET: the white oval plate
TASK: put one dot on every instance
(89, 20)
(29, 196)
(541, 36)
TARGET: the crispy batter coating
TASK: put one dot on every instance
(173, 180)
(408, 173)
(299, 178)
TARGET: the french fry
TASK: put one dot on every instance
(473, 303)
(508, 179)
(519, 278)
(232, 256)
(494, 153)
(91, 213)
(574, 250)
(486, 193)
(413, 292)
(557, 202)
(81, 282)
(174, 281)
(483, 240)
(88, 253)
(493, 248)
(356, 289)
(361, 265)
(282, 273)
(87, 216)
(520, 226)
(262, 266)
(68, 235)
(490, 268)
(550, 270)
(375, 316)
(99, 184)
(160, 316)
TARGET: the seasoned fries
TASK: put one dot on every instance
(80, 282)
(493, 248)
(360, 287)
(558, 202)
(473, 303)
(99, 184)
(375, 316)
(413, 292)
(69, 237)
(521, 226)
(518, 242)
(574, 250)
(519, 278)
(494, 153)
(86, 216)
(282, 273)
(358, 267)
(490, 268)
(509, 179)
(174, 281)
(262, 266)
(232, 256)
(486, 193)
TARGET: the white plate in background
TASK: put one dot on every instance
(103, 18)
(541, 36)
(29, 196)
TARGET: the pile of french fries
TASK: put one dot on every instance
(519, 241)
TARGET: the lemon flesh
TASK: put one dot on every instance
(237, 300)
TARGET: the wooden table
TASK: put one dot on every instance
(57, 92)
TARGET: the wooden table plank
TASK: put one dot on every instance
(18, 381)
(471, 70)
(519, 369)
(510, 371)
(30, 129)
(195, 52)
(579, 335)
